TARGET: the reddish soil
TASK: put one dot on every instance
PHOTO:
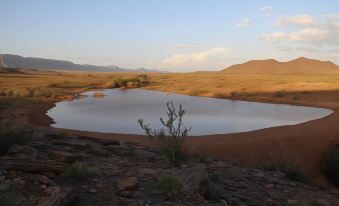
(301, 144)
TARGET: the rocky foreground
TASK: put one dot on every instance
(126, 174)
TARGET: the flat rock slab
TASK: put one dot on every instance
(61, 156)
(28, 165)
(127, 183)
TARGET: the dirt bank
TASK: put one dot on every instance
(300, 144)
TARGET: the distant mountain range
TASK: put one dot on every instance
(15, 61)
(296, 66)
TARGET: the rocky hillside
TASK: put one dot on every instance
(297, 66)
(58, 170)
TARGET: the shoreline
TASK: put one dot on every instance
(82, 95)
(250, 149)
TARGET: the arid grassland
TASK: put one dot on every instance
(27, 95)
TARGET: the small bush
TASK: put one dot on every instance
(11, 134)
(79, 171)
(135, 82)
(329, 164)
(295, 98)
(169, 185)
(296, 203)
(170, 139)
(233, 94)
(219, 95)
(62, 135)
(291, 171)
(22, 92)
(144, 79)
(41, 93)
(279, 94)
(26, 92)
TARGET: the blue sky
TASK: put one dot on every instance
(175, 35)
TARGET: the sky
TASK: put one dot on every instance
(173, 35)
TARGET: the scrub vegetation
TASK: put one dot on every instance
(170, 138)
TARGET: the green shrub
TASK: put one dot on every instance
(144, 79)
(62, 135)
(22, 92)
(79, 171)
(135, 82)
(11, 134)
(295, 98)
(40, 93)
(170, 138)
(233, 94)
(169, 185)
(279, 94)
(291, 171)
(120, 82)
(296, 203)
(329, 164)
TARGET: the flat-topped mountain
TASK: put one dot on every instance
(15, 61)
(271, 66)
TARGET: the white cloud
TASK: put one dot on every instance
(276, 36)
(56, 49)
(204, 59)
(244, 23)
(302, 48)
(311, 34)
(320, 32)
(298, 20)
(266, 10)
(185, 46)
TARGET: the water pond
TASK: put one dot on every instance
(119, 111)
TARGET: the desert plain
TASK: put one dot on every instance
(301, 144)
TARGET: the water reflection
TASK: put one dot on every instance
(119, 110)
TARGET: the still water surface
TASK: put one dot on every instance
(119, 111)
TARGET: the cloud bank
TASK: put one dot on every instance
(323, 32)
(203, 59)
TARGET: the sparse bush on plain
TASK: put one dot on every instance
(135, 82)
(329, 164)
(23, 92)
(279, 94)
(170, 137)
(169, 185)
(79, 171)
(11, 134)
(233, 94)
(51, 85)
(220, 95)
(143, 78)
(26, 92)
(291, 171)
